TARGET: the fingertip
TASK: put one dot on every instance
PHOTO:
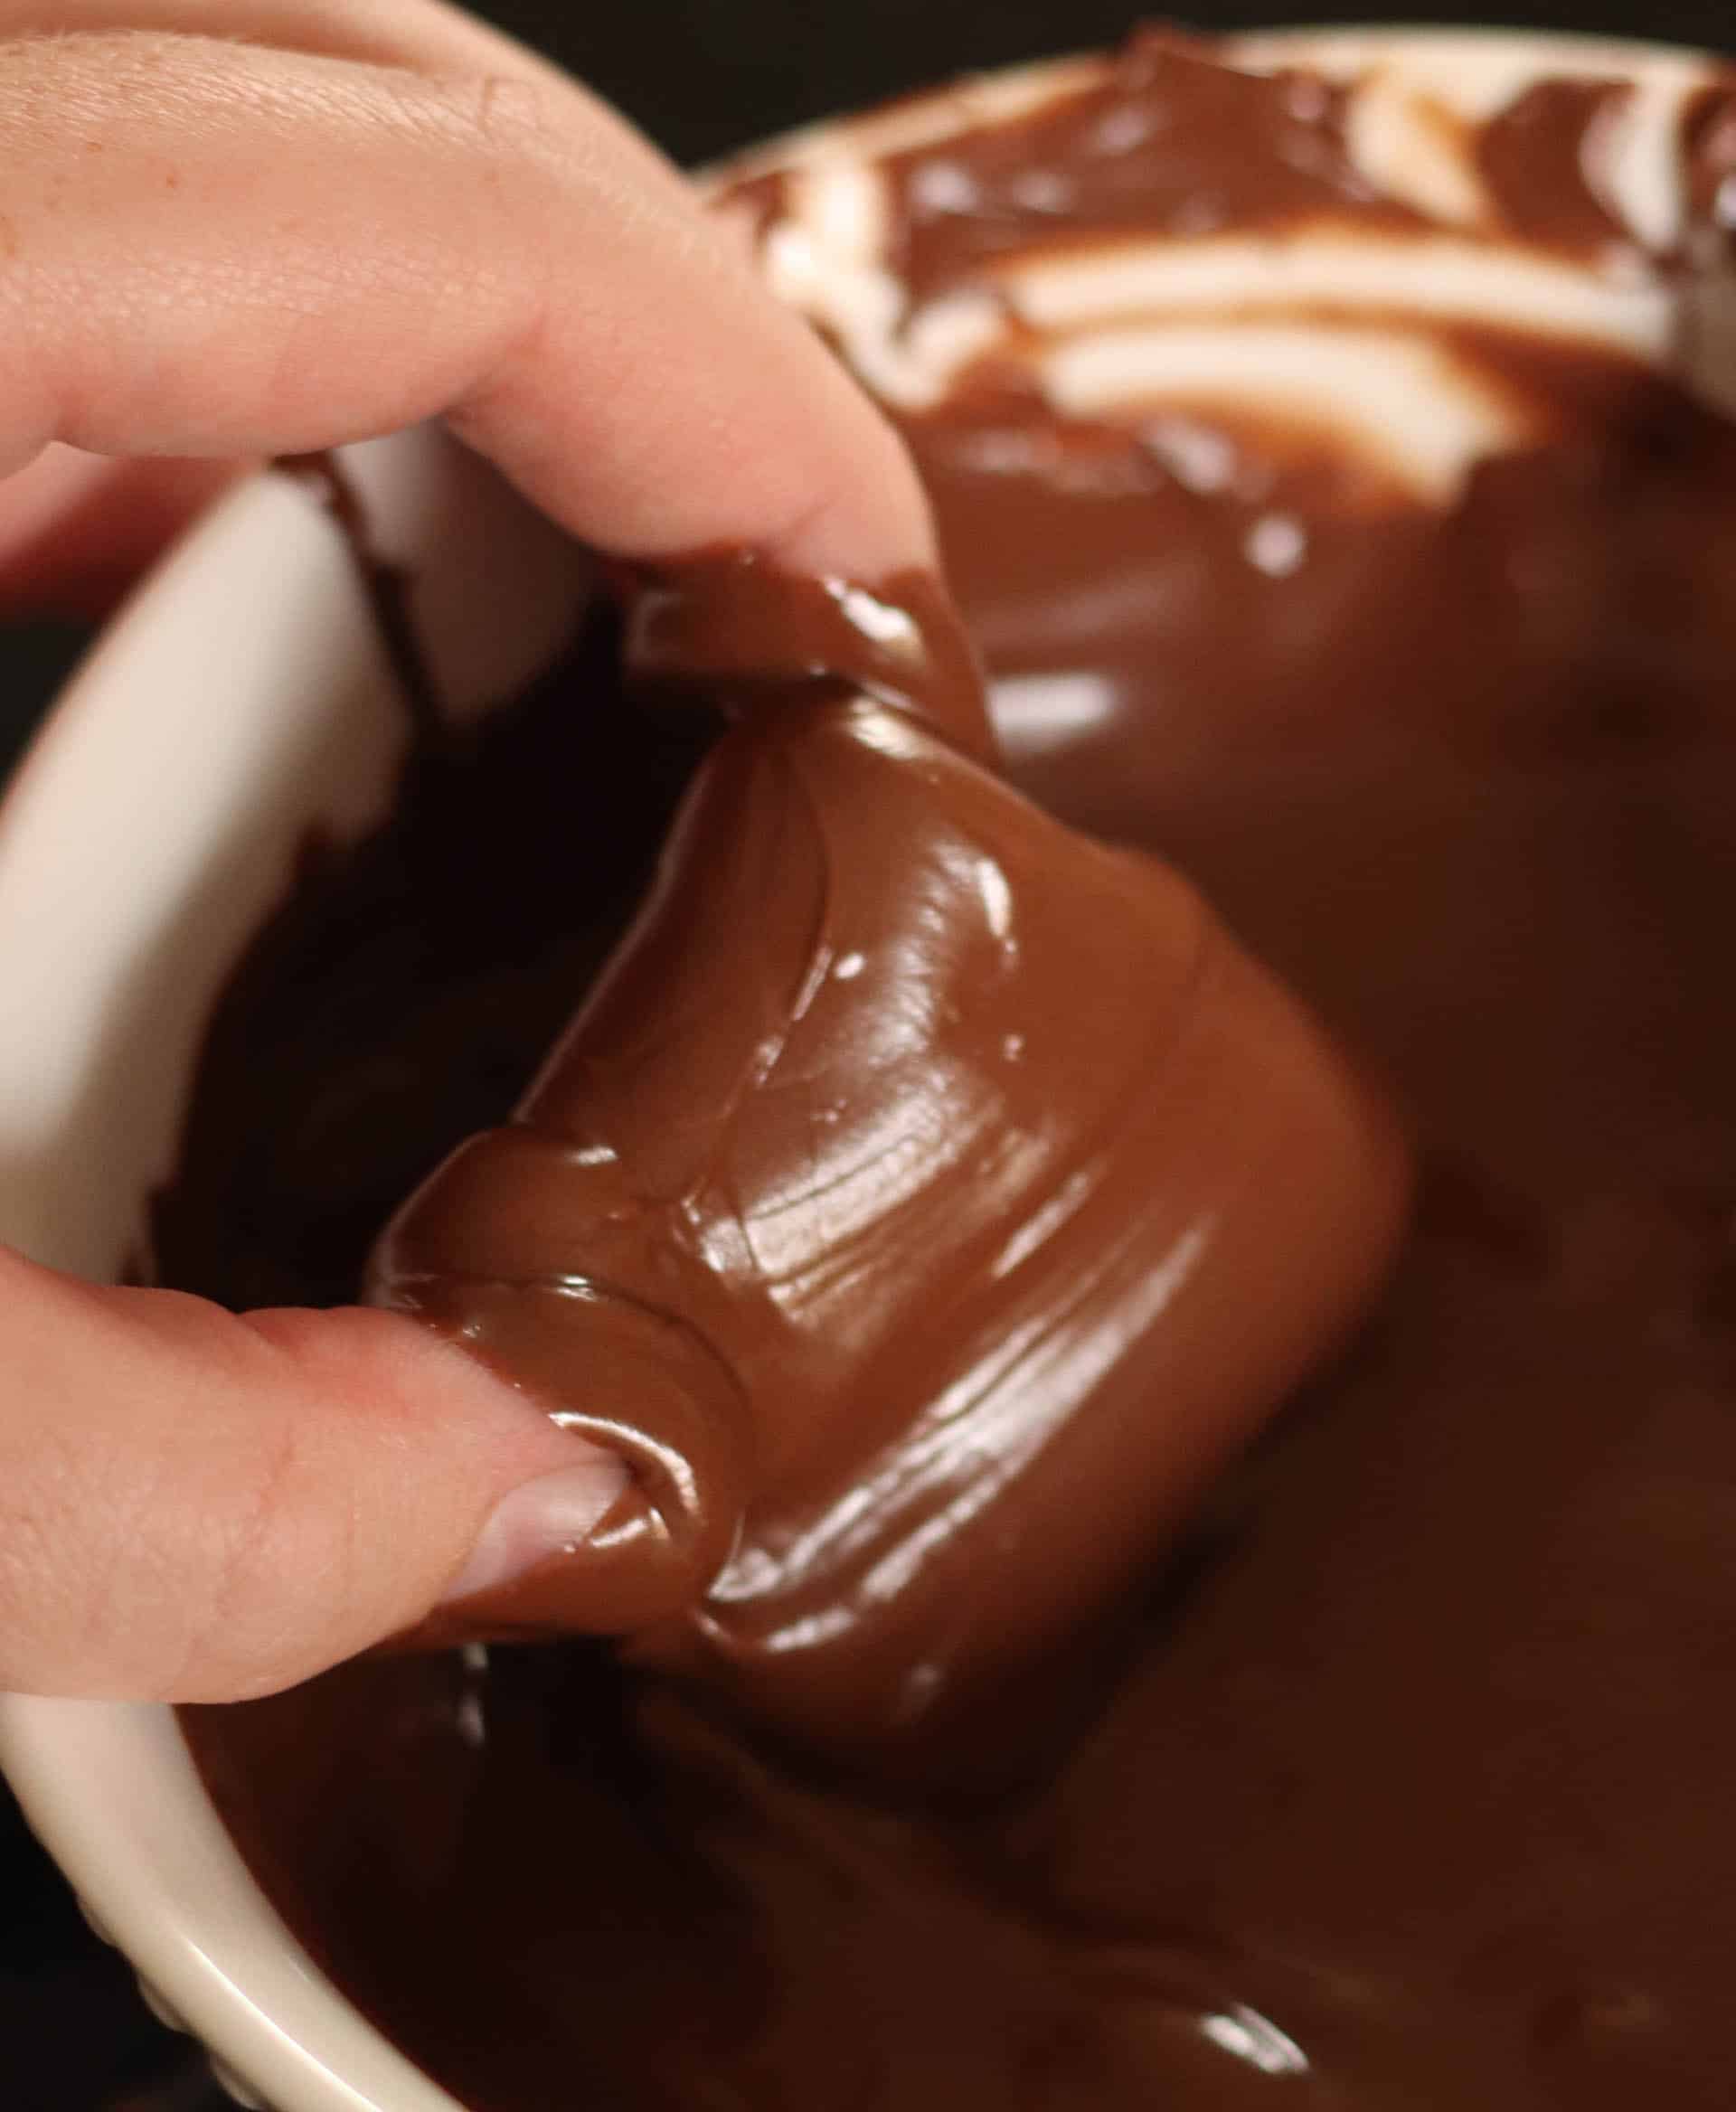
(195, 1506)
(538, 1522)
(868, 520)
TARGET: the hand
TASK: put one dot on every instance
(236, 228)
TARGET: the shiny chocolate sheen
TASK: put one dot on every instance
(1395, 1771)
(734, 631)
(1169, 142)
(1536, 158)
(912, 1149)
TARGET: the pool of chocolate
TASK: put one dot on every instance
(1398, 1774)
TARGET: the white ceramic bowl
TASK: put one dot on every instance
(240, 698)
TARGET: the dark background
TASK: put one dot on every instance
(701, 76)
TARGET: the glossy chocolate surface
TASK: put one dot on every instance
(997, 1764)
(921, 1187)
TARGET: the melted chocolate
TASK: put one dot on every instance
(1168, 143)
(1395, 1773)
(911, 1145)
(1536, 158)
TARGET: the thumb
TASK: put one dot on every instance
(197, 1506)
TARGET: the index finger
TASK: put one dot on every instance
(219, 249)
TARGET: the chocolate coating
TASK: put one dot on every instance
(924, 1149)
(736, 632)
(1394, 1770)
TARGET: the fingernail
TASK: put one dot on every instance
(537, 1523)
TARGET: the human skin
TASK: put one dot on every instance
(331, 220)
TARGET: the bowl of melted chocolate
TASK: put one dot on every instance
(1141, 1163)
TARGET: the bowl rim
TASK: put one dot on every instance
(110, 1789)
(95, 1779)
(1347, 44)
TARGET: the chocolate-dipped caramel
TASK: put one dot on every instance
(1396, 1772)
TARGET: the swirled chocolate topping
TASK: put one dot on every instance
(1343, 512)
